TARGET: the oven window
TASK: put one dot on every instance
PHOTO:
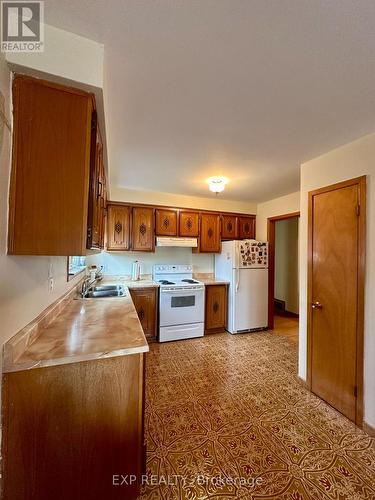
(187, 301)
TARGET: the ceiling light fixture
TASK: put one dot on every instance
(217, 184)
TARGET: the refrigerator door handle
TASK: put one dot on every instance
(237, 279)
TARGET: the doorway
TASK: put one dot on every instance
(283, 281)
(336, 260)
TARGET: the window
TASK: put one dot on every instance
(75, 264)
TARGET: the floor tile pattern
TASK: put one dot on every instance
(227, 417)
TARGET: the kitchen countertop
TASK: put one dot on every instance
(144, 282)
(210, 279)
(85, 329)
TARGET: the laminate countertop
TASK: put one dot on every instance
(211, 280)
(85, 329)
(143, 282)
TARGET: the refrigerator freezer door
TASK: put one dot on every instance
(249, 308)
(252, 254)
(226, 260)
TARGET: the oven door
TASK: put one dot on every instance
(181, 307)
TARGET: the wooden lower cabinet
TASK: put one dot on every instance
(146, 304)
(68, 430)
(216, 308)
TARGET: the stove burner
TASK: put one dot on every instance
(189, 281)
(166, 282)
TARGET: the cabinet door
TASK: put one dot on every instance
(229, 227)
(118, 227)
(145, 303)
(93, 219)
(166, 222)
(216, 308)
(188, 224)
(97, 193)
(103, 205)
(143, 229)
(50, 178)
(247, 228)
(210, 239)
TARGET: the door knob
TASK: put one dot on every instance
(316, 305)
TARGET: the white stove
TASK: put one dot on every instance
(181, 302)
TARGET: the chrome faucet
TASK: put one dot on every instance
(88, 282)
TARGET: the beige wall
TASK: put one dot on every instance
(212, 202)
(286, 263)
(24, 291)
(352, 160)
(121, 262)
(278, 206)
(63, 55)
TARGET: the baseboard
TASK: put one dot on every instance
(303, 382)
(369, 429)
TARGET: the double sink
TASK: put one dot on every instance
(101, 291)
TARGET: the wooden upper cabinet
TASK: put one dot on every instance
(143, 236)
(50, 179)
(166, 222)
(210, 238)
(247, 228)
(229, 227)
(96, 192)
(188, 224)
(118, 227)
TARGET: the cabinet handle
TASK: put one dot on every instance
(216, 307)
(99, 189)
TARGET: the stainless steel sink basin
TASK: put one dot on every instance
(105, 291)
(106, 287)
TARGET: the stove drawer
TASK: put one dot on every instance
(181, 332)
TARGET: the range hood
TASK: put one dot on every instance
(171, 241)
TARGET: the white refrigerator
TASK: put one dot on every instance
(244, 263)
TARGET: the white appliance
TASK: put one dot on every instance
(244, 263)
(181, 303)
(172, 241)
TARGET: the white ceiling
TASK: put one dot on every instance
(248, 89)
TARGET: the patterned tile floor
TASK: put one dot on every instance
(226, 417)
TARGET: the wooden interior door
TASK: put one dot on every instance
(336, 223)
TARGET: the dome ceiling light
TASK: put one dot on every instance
(217, 184)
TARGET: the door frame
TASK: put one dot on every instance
(271, 224)
(361, 183)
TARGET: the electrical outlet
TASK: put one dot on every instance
(50, 284)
